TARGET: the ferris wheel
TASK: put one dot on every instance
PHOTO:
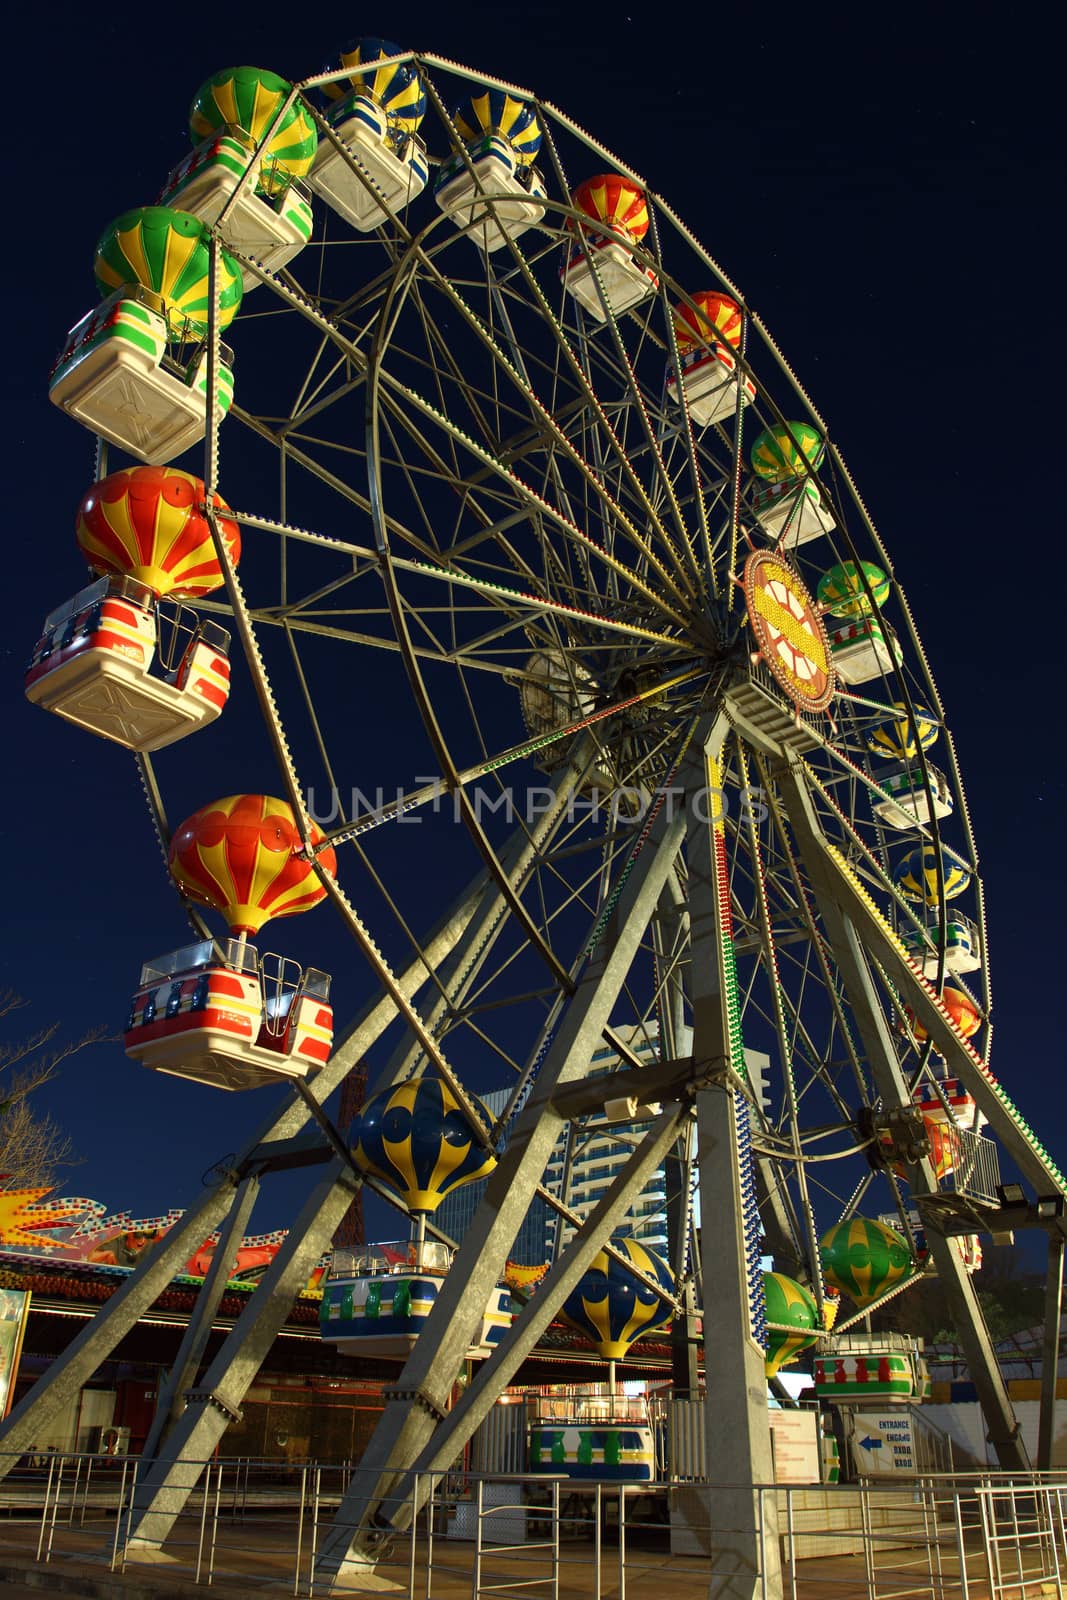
(600, 719)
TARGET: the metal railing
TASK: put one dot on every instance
(249, 1523)
(973, 1161)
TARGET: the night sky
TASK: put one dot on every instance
(878, 184)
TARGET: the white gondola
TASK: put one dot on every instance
(793, 511)
(862, 649)
(120, 663)
(625, 281)
(115, 375)
(393, 167)
(963, 952)
(907, 802)
(462, 192)
(218, 1013)
(591, 1436)
(376, 1300)
(712, 383)
(272, 230)
(887, 1368)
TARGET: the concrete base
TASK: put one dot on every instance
(355, 1578)
(141, 1551)
(825, 1521)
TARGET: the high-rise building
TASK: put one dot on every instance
(586, 1160)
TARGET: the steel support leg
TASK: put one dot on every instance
(162, 1492)
(671, 933)
(1050, 1352)
(846, 917)
(420, 1396)
(685, 1380)
(743, 1533)
(71, 1371)
(194, 1341)
(494, 1375)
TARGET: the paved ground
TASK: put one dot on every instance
(251, 1557)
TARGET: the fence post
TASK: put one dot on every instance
(961, 1544)
(476, 1572)
(45, 1505)
(789, 1576)
(414, 1529)
(57, 1496)
(203, 1522)
(622, 1541)
(85, 1491)
(761, 1490)
(119, 1510)
(598, 1500)
(868, 1537)
(431, 1517)
(300, 1527)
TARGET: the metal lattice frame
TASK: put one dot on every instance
(475, 477)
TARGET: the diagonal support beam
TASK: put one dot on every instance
(58, 1386)
(851, 923)
(496, 1373)
(161, 1493)
(741, 1524)
(421, 1394)
(463, 936)
(194, 1341)
(963, 1061)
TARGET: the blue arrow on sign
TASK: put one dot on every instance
(870, 1444)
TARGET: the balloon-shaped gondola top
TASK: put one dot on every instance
(842, 592)
(148, 523)
(397, 87)
(716, 318)
(617, 202)
(864, 1259)
(250, 98)
(897, 739)
(965, 1015)
(244, 856)
(167, 252)
(613, 1306)
(785, 450)
(489, 111)
(790, 1304)
(417, 1138)
(919, 874)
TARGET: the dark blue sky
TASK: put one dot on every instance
(881, 186)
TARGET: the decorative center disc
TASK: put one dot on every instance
(788, 631)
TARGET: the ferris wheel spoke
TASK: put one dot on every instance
(314, 400)
(544, 416)
(546, 509)
(818, 943)
(467, 813)
(663, 477)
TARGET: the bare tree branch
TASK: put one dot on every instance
(33, 1146)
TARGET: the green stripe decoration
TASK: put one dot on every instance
(167, 252)
(250, 98)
